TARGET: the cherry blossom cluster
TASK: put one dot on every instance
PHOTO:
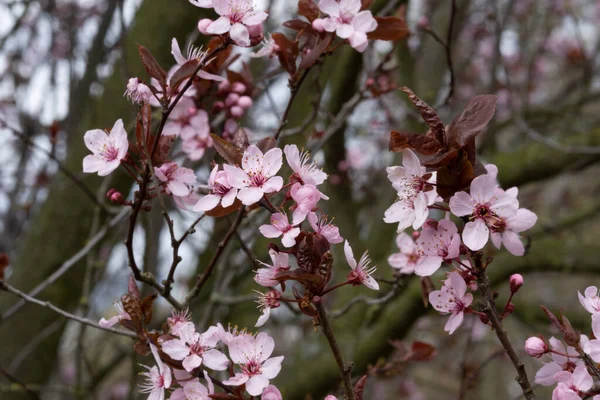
(572, 368)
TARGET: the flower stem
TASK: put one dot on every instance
(345, 370)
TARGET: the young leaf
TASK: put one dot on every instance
(469, 123)
(288, 52)
(364, 4)
(311, 58)
(297, 25)
(429, 116)
(389, 28)
(220, 211)
(266, 144)
(308, 9)
(424, 144)
(183, 73)
(152, 66)
(231, 153)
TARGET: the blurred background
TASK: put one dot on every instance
(64, 66)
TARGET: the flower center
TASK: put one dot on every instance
(257, 180)
(109, 152)
(196, 348)
(238, 10)
(220, 189)
(251, 368)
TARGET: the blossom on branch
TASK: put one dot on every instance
(305, 169)
(325, 228)
(107, 323)
(158, 378)
(562, 360)
(280, 226)
(266, 276)
(452, 299)
(506, 231)
(221, 192)
(191, 388)
(306, 197)
(236, 17)
(108, 149)
(176, 179)
(572, 385)
(591, 301)
(361, 272)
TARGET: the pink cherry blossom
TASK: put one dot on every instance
(107, 323)
(137, 91)
(252, 355)
(269, 49)
(191, 388)
(592, 347)
(361, 271)
(506, 231)
(236, 17)
(177, 320)
(186, 120)
(267, 301)
(452, 299)
(271, 393)
(202, 3)
(409, 256)
(330, 397)
(226, 336)
(348, 22)
(280, 226)
(108, 149)
(265, 276)
(325, 228)
(571, 386)
(546, 375)
(176, 179)
(221, 192)
(193, 53)
(195, 146)
(486, 208)
(158, 378)
(257, 175)
(591, 301)
(535, 347)
(196, 349)
(305, 170)
(437, 244)
(306, 197)
(415, 195)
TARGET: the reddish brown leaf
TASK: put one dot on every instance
(141, 348)
(389, 28)
(231, 153)
(132, 287)
(308, 9)
(220, 211)
(364, 4)
(442, 159)
(424, 144)
(287, 53)
(297, 25)
(359, 388)
(266, 144)
(429, 115)
(152, 66)
(146, 306)
(161, 155)
(455, 177)
(468, 124)
(183, 73)
(421, 351)
(311, 58)
(571, 337)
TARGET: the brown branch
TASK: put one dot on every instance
(17, 381)
(8, 288)
(202, 278)
(294, 88)
(345, 370)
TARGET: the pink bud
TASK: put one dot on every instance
(416, 234)
(423, 22)
(238, 87)
(117, 197)
(535, 347)
(110, 192)
(255, 31)
(271, 393)
(232, 99)
(509, 308)
(516, 281)
(318, 25)
(245, 102)
(203, 25)
(369, 82)
(218, 106)
(224, 86)
(236, 112)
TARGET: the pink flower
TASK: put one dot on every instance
(177, 320)
(325, 228)
(486, 208)
(202, 3)
(330, 397)
(108, 148)
(591, 301)
(271, 393)
(267, 301)
(507, 231)
(266, 276)
(592, 347)
(226, 336)
(137, 91)
(280, 226)
(158, 378)
(535, 347)
(191, 388)
(186, 120)
(546, 375)
(107, 323)
(175, 178)
(415, 195)
(306, 197)
(408, 258)
(257, 175)
(437, 244)
(361, 272)
(348, 22)
(571, 386)
(236, 17)
(306, 170)
(252, 355)
(269, 49)
(221, 192)
(196, 349)
(195, 146)
(193, 53)
(452, 298)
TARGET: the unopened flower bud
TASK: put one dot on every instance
(318, 25)
(232, 99)
(236, 111)
(484, 318)
(369, 82)
(238, 87)
(218, 106)
(110, 192)
(516, 281)
(473, 286)
(316, 299)
(117, 197)
(535, 347)
(245, 102)
(224, 86)
(416, 234)
(423, 22)
(203, 25)
(510, 308)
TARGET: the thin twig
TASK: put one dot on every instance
(8, 288)
(17, 381)
(369, 301)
